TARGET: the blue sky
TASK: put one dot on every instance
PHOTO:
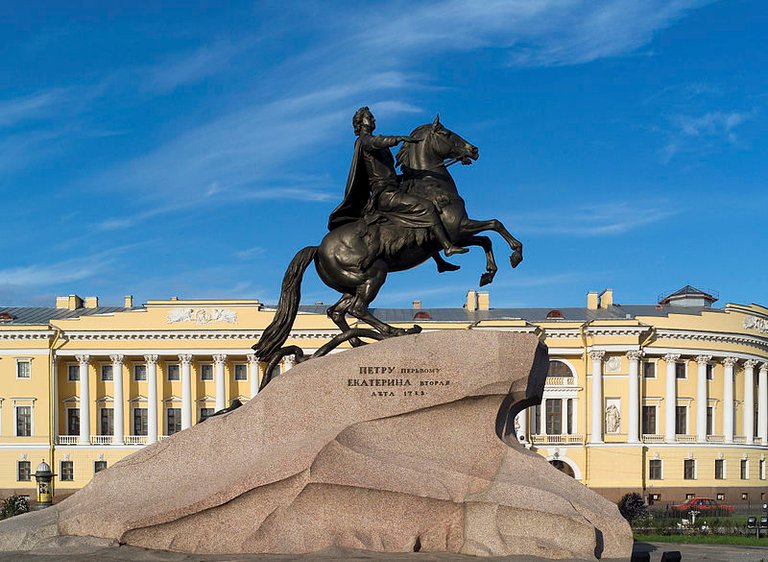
(156, 149)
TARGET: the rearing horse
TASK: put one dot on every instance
(355, 258)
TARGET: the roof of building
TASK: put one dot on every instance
(43, 315)
(688, 291)
(576, 314)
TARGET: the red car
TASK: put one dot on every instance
(703, 505)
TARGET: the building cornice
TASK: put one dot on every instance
(715, 337)
(26, 334)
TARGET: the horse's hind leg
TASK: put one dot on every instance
(471, 226)
(490, 261)
(364, 295)
(338, 314)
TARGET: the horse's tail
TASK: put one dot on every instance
(277, 332)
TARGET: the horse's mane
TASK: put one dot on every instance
(405, 154)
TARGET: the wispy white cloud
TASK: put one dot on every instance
(705, 132)
(603, 219)
(249, 253)
(39, 105)
(190, 67)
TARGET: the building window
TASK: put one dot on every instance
(241, 372)
(23, 471)
(67, 471)
(690, 496)
(23, 369)
(721, 497)
(744, 473)
(719, 469)
(98, 466)
(681, 420)
(106, 421)
(140, 421)
(73, 372)
(745, 496)
(535, 424)
(554, 416)
(762, 469)
(173, 373)
(689, 469)
(173, 420)
(569, 415)
(655, 497)
(206, 372)
(710, 372)
(206, 413)
(23, 421)
(649, 370)
(106, 373)
(73, 421)
(649, 420)
(139, 372)
(680, 369)
(654, 469)
(710, 420)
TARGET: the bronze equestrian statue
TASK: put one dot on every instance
(386, 223)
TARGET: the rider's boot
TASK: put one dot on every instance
(442, 236)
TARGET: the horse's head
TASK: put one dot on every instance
(436, 144)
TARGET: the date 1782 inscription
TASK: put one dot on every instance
(397, 381)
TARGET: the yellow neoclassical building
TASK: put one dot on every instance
(669, 399)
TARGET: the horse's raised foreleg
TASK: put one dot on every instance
(472, 226)
(490, 261)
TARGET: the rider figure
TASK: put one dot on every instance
(381, 182)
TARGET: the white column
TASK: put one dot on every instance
(85, 400)
(186, 391)
(633, 411)
(253, 373)
(521, 420)
(221, 398)
(728, 364)
(151, 398)
(597, 396)
(701, 397)
(749, 400)
(543, 417)
(670, 398)
(119, 411)
(762, 404)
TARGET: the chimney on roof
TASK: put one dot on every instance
(128, 301)
(606, 298)
(416, 304)
(91, 302)
(592, 300)
(471, 304)
(483, 300)
(70, 302)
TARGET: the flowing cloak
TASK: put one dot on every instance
(356, 194)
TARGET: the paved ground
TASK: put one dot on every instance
(99, 553)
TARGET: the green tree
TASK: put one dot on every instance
(632, 506)
(13, 505)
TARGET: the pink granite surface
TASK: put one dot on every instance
(341, 452)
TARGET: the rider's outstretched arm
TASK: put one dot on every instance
(381, 141)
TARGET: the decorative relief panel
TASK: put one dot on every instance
(755, 323)
(202, 315)
(613, 364)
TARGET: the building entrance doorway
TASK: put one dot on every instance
(563, 467)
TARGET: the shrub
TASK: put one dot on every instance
(632, 506)
(13, 505)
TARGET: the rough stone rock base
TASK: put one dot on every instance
(399, 446)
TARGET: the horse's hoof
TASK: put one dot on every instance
(515, 258)
(486, 278)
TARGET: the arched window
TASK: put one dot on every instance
(559, 369)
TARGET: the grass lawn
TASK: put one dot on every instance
(705, 539)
